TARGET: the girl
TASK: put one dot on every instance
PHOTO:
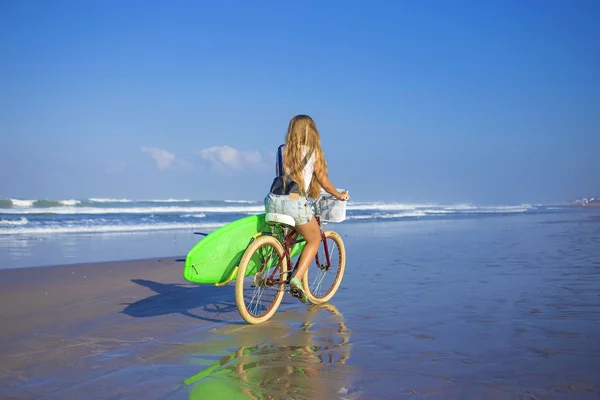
(301, 173)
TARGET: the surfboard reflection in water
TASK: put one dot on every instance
(275, 360)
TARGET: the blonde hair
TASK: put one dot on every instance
(302, 131)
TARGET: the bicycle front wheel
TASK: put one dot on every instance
(323, 278)
(261, 280)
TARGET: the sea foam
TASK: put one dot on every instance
(132, 210)
(106, 228)
(22, 203)
(13, 222)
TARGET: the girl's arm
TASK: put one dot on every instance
(326, 184)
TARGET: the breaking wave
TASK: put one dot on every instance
(13, 222)
(43, 216)
(106, 228)
(132, 210)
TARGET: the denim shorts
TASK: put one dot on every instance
(282, 204)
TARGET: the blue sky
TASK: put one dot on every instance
(436, 101)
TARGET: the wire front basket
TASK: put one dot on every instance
(331, 209)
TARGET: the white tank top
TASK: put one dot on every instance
(308, 170)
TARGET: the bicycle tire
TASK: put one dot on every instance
(313, 290)
(245, 283)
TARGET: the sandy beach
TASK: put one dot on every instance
(488, 308)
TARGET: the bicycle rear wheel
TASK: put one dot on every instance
(261, 280)
(321, 280)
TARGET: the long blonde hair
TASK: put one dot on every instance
(302, 131)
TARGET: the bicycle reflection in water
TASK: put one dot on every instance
(305, 363)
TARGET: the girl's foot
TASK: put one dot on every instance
(296, 289)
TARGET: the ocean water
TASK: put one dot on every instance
(50, 232)
(494, 307)
(437, 302)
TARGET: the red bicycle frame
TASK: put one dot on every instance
(288, 242)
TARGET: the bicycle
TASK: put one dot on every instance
(266, 263)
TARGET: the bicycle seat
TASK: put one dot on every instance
(274, 218)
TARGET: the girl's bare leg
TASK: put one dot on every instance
(312, 234)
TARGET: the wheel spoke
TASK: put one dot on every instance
(254, 305)
(315, 288)
(325, 282)
(258, 296)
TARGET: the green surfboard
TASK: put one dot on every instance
(213, 260)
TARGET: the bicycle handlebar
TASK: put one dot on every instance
(330, 197)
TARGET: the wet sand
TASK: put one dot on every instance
(489, 308)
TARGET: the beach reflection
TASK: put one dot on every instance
(277, 360)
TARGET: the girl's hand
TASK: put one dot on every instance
(344, 196)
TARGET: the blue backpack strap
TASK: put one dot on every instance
(279, 163)
(284, 184)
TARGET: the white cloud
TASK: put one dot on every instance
(164, 159)
(226, 159)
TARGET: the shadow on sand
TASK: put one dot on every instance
(172, 298)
